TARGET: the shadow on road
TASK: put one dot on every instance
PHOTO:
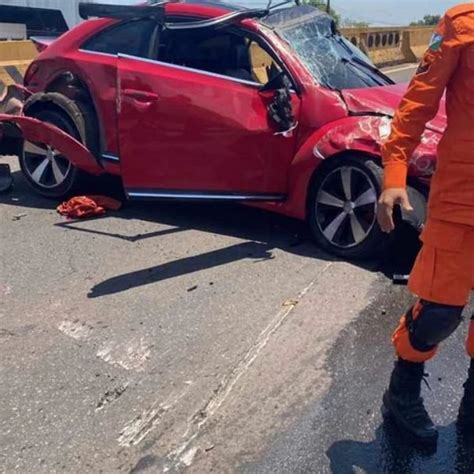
(263, 231)
(391, 453)
(182, 266)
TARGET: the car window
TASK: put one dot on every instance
(132, 38)
(218, 52)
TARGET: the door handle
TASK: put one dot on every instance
(141, 96)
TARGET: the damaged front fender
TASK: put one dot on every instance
(363, 135)
(18, 128)
(366, 135)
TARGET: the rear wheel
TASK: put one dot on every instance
(47, 171)
(343, 208)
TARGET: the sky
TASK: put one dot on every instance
(376, 12)
(391, 12)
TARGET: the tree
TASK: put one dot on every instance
(322, 5)
(348, 23)
(428, 20)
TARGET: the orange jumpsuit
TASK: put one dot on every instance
(444, 270)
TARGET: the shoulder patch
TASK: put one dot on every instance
(436, 42)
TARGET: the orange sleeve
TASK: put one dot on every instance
(420, 103)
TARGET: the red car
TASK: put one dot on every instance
(206, 101)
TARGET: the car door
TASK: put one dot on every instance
(188, 132)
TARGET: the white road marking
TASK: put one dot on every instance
(405, 67)
(131, 355)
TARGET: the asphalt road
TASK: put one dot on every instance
(126, 340)
(170, 337)
(401, 73)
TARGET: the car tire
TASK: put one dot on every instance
(342, 207)
(46, 171)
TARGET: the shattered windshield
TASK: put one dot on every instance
(333, 60)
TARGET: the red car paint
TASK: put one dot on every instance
(180, 130)
(41, 132)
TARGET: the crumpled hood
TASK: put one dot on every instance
(385, 100)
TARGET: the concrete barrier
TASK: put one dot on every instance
(15, 57)
(387, 46)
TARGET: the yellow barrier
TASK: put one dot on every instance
(15, 57)
(17, 51)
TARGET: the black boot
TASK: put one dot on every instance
(403, 403)
(466, 411)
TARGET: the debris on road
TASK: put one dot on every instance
(110, 396)
(192, 288)
(19, 216)
(81, 207)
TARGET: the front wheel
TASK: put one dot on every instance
(46, 170)
(343, 207)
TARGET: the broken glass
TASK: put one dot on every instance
(333, 61)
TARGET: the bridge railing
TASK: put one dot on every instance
(391, 45)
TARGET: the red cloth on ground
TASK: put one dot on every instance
(81, 207)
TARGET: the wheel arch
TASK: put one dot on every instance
(71, 84)
(80, 114)
(356, 136)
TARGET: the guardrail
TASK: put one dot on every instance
(387, 46)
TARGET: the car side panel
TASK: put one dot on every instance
(200, 132)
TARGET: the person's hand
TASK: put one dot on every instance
(388, 200)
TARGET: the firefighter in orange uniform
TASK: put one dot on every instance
(443, 274)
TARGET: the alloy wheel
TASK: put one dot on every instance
(346, 206)
(45, 165)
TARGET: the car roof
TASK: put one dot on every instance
(275, 13)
